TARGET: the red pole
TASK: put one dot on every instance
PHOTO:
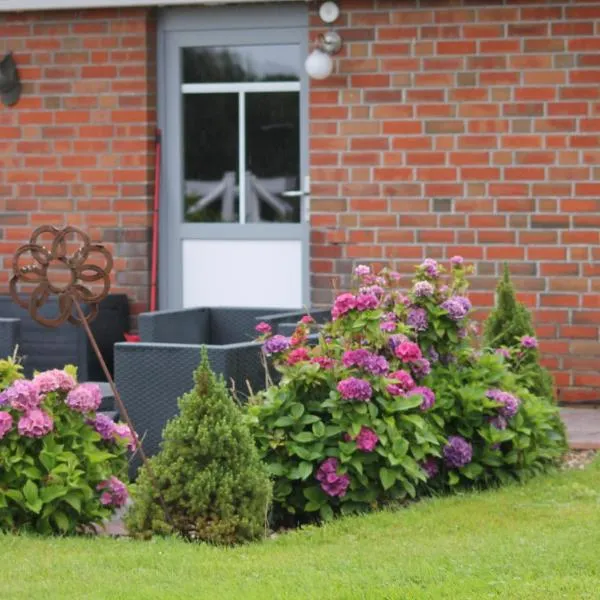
(154, 267)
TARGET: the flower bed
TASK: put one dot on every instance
(395, 401)
(59, 460)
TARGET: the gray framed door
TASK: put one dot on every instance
(235, 199)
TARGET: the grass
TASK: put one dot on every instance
(540, 540)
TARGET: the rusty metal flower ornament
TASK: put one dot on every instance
(54, 272)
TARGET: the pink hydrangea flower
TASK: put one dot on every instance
(324, 362)
(423, 289)
(263, 328)
(362, 270)
(457, 261)
(124, 432)
(367, 301)
(366, 440)
(114, 492)
(298, 355)
(528, 341)
(430, 466)
(35, 423)
(22, 395)
(344, 303)
(331, 483)
(307, 320)
(404, 379)
(504, 352)
(388, 326)
(54, 381)
(408, 352)
(430, 267)
(6, 423)
(355, 389)
(85, 398)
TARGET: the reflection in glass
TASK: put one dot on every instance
(241, 64)
(211, 142)
(272, 156)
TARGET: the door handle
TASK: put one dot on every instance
(294, 194)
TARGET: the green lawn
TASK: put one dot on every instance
(541, 541)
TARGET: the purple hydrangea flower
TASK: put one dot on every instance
(331, 483)
(417, 319)
(420, 368)
(35, 423)
(114, 492)
(22, 395)
(428, 396)
(54, 380)
(422, 289)
(388, 326)
(376, 290)
(355, 389)
(434, 355)
(504, 352)
(276, 344)
(6, 423)
(366, 440)
(499, 422)
(430, 267)
(85, 398)
(375, 364)
(457, 452)
(104, 426)
(457, 261)
(431, 467)
(509, 403)
(528, 341)
(457, 307)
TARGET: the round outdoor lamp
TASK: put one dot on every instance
(319, 64)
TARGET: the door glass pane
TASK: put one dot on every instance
(211, 157)
(272, 157)
(234, 64)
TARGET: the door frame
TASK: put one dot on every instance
(287, 23)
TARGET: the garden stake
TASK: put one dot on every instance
(69, 296)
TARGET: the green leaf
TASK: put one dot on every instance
(312, 506)
(73, 500)
(472, 470)
(304, 437)
(308, 419)
(402, 404)
(296, 410)
(32, 472)
(52, 492)
(30, 492)
(98, 457)
(283, 422)
(48, 460)
(305, 469)
(314, 494)
(276, 469)
(326, 512)
(319, 429)
(453, 478)
(388, 478)
(61, 520)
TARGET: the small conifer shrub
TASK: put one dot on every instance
(213, 483)
(509, 330)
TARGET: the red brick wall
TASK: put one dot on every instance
(469, 129)
(78, 148)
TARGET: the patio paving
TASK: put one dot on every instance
(583, 427)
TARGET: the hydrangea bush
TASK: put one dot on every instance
(393, 401)
(60, 461)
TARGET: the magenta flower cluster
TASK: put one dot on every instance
(366, 440)
(431, 467)
(428, 396)
(263, 328)
(457, 452)
(509, 404)
(408, 352)
(114, 492)
(354, 389)
(85, 398)
(403, 383)
(6, 423)
(431, 268)
(331, 483)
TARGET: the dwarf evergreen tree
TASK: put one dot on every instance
(508, 322)
(208, 470)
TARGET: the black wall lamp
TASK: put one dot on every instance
(10, 84)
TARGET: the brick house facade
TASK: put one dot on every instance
(447, 128)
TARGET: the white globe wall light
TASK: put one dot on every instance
(319, 64)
